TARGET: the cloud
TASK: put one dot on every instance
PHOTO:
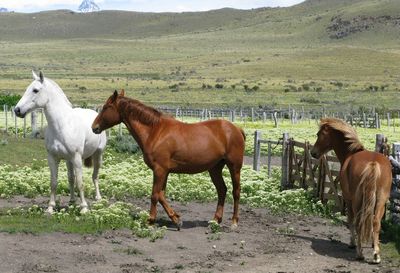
(27, 5)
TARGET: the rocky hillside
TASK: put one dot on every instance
(309, 23)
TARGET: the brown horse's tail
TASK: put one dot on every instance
(366, 194)
(88, 162)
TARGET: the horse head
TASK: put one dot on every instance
(109, 115)
(34, 96)
(323, 143)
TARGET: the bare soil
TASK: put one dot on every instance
(263, 243)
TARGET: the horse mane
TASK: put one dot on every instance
(137, 110)
(348, 132)
(59, 90)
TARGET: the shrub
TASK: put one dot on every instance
(9, 100)
(310, 100)
(306, 87)
(124, 144)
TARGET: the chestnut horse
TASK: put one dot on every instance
(171, 146)
(365, 180)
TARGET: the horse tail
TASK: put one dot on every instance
(366, 191)
(88, 162)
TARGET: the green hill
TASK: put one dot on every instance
(309, 20)
(318, 53)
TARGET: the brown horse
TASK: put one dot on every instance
(365, 179)
(171, 146)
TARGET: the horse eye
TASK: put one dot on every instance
(35, 91)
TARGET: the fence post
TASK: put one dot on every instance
(15, 123)
(395, 194)
(275, 116)
(269, 159)
(365, 120)
(380, 139)
(388, 119)
(377, 121)
(257, 151)
(252, 114)
(24, 128)
(285, 159)
(6, 116)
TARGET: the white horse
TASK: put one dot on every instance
(68, 136)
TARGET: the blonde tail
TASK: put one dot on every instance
(366, 192)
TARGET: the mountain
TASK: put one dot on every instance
(311, 23)
(88, 6)
(3, 10)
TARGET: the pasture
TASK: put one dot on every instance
(260, 58)
(274, 226)
(265, 58)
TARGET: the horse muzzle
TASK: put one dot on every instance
(18, 113)
(315, 154)
(96, 130)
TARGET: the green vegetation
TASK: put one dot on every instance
(125, 176)
(9, 100)
(102, 216)
(224, 58)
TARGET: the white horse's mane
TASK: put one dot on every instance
(59, 90)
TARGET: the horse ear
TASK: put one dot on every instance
(41, 77)
(122, 93)
(35, 77)
(114, 96)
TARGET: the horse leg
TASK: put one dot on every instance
(53, 165)
(350, 222)
(235, 175)
(219, 183)
(71, 180)
(175, 217)
(159, 178)
(97, 158)
(379, 211)
(77, 162)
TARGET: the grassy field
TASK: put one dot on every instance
(261, 58)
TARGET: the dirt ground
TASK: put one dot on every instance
(262, 243)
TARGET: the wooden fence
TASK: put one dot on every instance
(320, 176)
(9, 123)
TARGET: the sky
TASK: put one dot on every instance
(144, 5)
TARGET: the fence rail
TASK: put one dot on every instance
(9, 123)
(320, 176)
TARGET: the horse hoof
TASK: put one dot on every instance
(84, 210)
(179, 224)
(234, 226)
(377, 259)
(49, 211)
(360, 258)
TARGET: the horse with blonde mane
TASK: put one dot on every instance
(365, 180)
(171, 146)
(68, 136)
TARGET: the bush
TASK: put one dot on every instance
(124, 144)
(219, 86)
(310, 100)
(9, 100)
